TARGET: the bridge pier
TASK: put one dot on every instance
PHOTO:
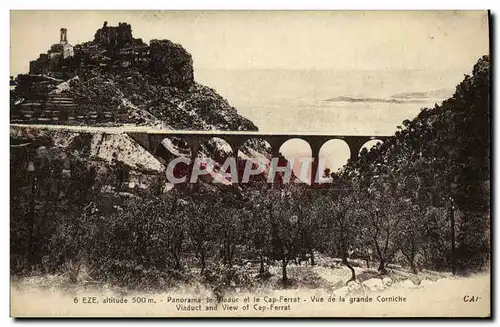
(355, 143)
(235, 144)
(194, 145)
(315, 174)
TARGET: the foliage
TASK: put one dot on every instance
(438, 164)
(392, 205)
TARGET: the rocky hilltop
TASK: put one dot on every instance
(117, 79)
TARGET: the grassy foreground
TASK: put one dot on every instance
(427, 294)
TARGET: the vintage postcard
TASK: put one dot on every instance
(250, 164)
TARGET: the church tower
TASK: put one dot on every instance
(64, 36)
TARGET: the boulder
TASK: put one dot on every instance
(387, 281)
(374, 284)
(354, 285)
(114, 36)
(171, 63)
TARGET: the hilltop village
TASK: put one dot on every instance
(117, 79)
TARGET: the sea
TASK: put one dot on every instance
(342, 102)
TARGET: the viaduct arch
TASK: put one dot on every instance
(152, 141)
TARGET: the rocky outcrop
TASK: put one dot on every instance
(122, 80)
(114, 36)
(374, 284)
(114, 48)
(171, 63)
(93, 145)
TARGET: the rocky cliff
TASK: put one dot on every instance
(114, 36)
(117, 79)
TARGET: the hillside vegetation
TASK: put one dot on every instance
(393, 207)
(117, 79)
(434, 170)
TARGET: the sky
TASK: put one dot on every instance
(376, 40)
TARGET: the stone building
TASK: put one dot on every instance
(63, 48)
(51, 61)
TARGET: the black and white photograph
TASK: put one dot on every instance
(232, 163)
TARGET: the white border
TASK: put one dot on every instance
(256, 4)
(213, 5)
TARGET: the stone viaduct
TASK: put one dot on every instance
(151, 140)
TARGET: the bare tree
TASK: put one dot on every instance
(384, 212)
(285, 230)
(200, 228)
